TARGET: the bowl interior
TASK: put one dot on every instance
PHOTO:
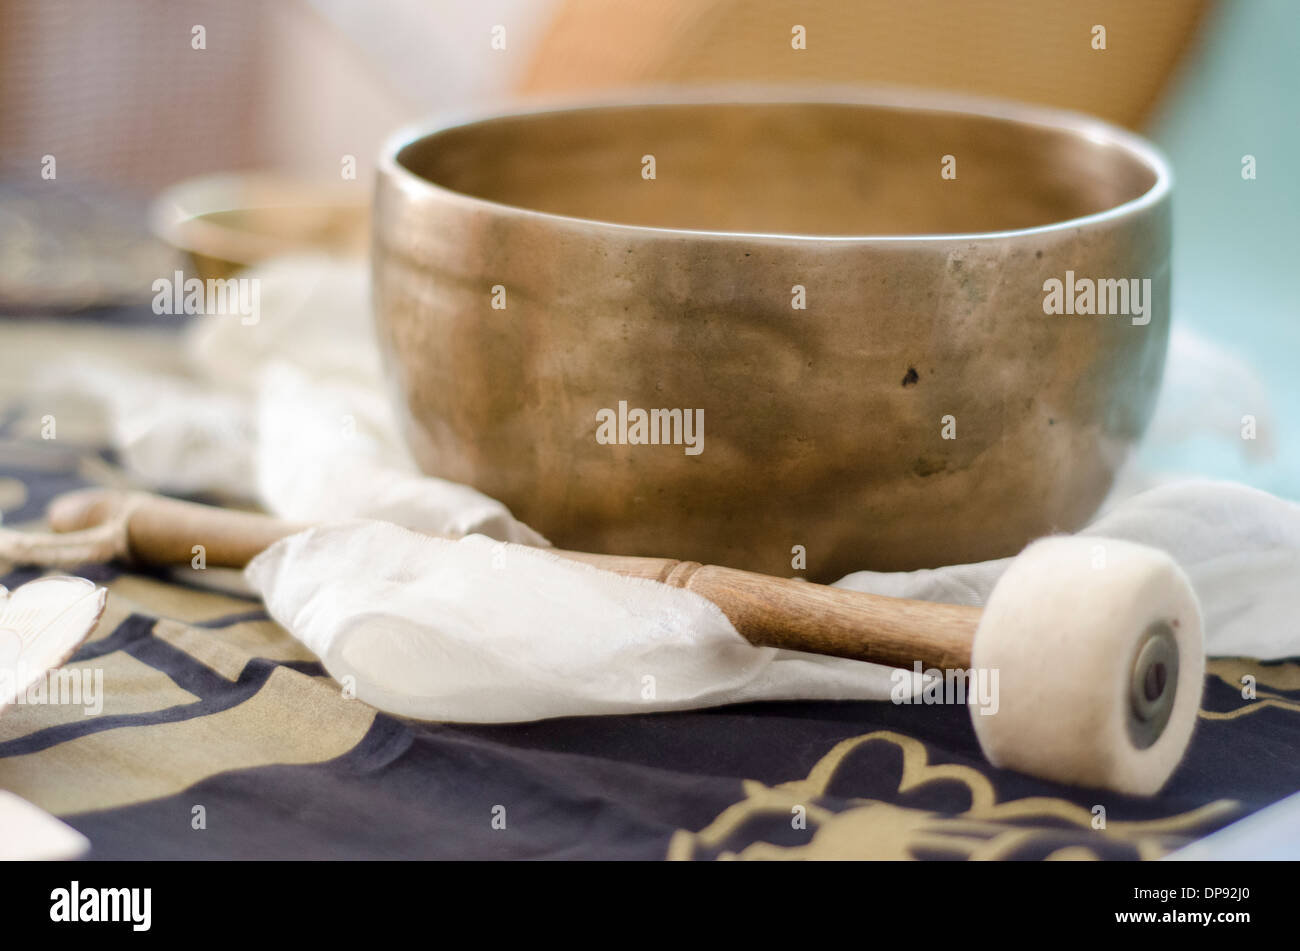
(784, 168)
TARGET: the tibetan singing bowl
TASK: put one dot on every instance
(790, 336)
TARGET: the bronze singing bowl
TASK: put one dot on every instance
(824, 427)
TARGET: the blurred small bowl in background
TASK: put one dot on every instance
(228, 221)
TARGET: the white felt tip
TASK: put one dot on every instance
(1064, 627)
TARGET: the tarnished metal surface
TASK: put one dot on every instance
(823, 427)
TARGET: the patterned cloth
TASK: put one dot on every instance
(222, 737)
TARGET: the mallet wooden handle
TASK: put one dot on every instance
(768, 611)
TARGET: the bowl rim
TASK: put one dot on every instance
(180, 214)
(1090, 128)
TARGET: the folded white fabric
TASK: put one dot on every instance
(482, 631)
(1239, 547)
(320, 459)
(291, 410)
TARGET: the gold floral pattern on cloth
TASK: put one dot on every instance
(868, 828)
(1258, 682)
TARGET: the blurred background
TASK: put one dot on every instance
(115, 117)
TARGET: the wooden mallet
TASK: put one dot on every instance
(1097, 643)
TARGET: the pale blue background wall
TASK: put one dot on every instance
(1236, 242)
